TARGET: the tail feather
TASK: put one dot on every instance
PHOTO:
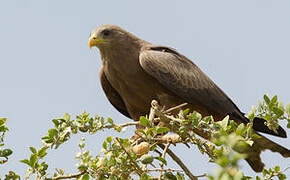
(256, 163)
(259, 125)
(265, 143)
(260, 144)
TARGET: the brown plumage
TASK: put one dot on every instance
(135, 72)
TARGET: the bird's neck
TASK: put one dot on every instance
(119, 50)
(122, 59)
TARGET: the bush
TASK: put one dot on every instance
(143, 156)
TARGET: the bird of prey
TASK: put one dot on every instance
(134, 72)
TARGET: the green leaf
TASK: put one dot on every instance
(277, 168)
(144, 121)
(267, 99)
(224, 123)
(287, 109)
(25, 161)
(82, 167)
(52, 132)
(3, 129)
(225, 176)
(2, 121)
(109, 139)
(33, 150)
(265, 172)
(180, 176)
(196, 115)
(241, 129)
(282, 176)
(85, 177)
(66, 116)
(161, 130)
(186, 111)
(102, 120)
(33, 159)
(207, 119)
(55, 122)
(239, 175)
(144, 176)
(147, 158)
(169, 176)
(281, 106)
(105, 145)
(251, 115)
(42, 152)
(110, 120)
(161, 160)
(223, 161)
(274, 99)
(255, 136)
(6, 152)
(113, 177)
(278, 111)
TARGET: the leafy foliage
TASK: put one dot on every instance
(6, 152)
(272, 111)
(143, 156)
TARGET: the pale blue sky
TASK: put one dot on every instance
(47, 68)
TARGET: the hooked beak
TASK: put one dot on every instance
(95, 41)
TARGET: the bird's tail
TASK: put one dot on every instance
(260, 144)
(260, 126)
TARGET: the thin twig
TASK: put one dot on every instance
(174, 108)
(163, 156)
(129, 124)
(139, 170)
(203, 175)
(286, 169)
(158, 152)
(69, 176)
(165, 150)
(122, 125)
(165, 118)
(179, 162)
(173, 138)
(164, 170)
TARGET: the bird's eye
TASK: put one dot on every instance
(106, 32)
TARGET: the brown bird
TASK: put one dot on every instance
(135, 72)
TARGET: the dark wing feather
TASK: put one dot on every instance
(112, 95)
(186, 80)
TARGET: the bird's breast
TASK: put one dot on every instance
(135, 86)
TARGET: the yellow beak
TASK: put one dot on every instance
(94, 41)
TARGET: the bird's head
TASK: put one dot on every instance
(108, 35)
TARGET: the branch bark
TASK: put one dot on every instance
(69, 176)
(179, 162)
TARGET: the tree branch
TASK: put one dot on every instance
(179, 162)
(122, 125)
(163, 156)
(69, 176)
(138, 169)
(174, 108)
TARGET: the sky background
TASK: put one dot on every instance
(47, 68)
